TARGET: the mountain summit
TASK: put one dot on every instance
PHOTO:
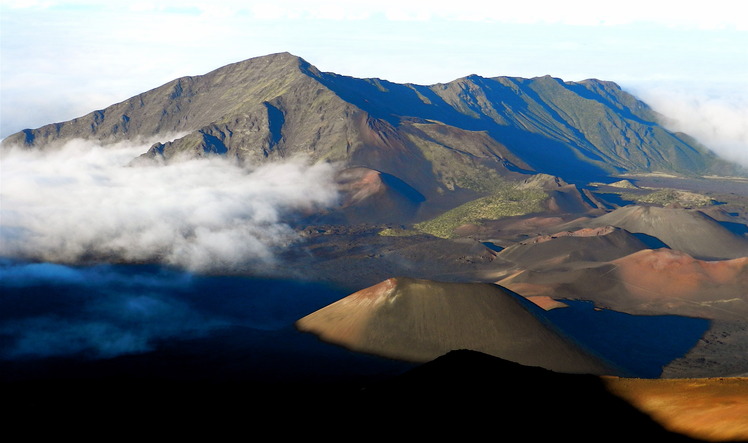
(445, 139)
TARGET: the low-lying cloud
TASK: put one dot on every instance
(83, 203)
(720, 122)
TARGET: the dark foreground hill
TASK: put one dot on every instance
(463, 394)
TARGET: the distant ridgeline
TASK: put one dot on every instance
(461, 136)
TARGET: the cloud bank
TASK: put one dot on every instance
(720, 122)
(82, 203)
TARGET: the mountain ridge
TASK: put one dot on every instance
(449, 141)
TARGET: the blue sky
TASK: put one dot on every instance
(63, 59)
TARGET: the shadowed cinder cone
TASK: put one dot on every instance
(419, 320)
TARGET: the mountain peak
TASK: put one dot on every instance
(278, 57)
(283, 62)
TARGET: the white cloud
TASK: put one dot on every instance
(702, 15)
(82, 202)
(720, 122)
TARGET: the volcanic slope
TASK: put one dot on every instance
(660, 281)
(590, 245)
(419, 320)
(491, 216)
(637, 259)
(686, 230)
(448, 142)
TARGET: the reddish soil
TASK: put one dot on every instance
(664, 273)
(711, 409)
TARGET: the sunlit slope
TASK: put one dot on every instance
(709, 409)
(660, 281)
(419, 320)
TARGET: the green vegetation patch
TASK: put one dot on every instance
(505, 203)
(398, 232)
(665, 197)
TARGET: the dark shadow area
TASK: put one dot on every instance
(614, 198)
(110, 311)
(736, 228)
(276, 119)
(402, 188)
(549, 156)
(652, 242)
(150, 348)
(639, 343)
(560, 121)
(461, 395)
(28, 137)
(492, 246)
(212, 144)
(471, 395)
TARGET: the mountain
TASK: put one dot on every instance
(445, 143)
